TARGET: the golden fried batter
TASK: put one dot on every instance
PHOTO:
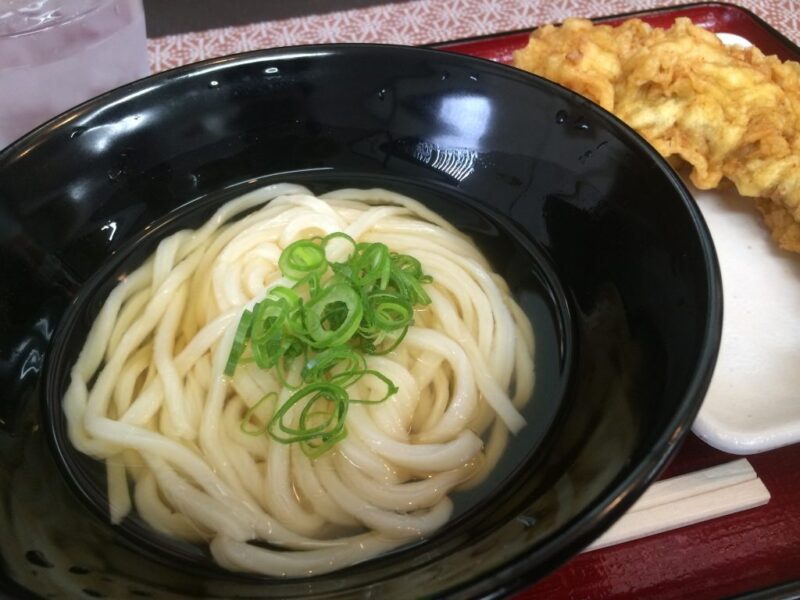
(727, 111)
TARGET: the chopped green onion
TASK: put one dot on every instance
(391, 388)
(374, 350)
(337, 235)
(334, 314)
(302, 258)
(373, 264)
(389, 311)
(251, 411)
(320, 366)
(239, 341)
(326, 330)
(314, 439)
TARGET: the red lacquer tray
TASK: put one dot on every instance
(753, 552)
(714, 16)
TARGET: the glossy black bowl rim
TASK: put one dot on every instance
(555, 549)
(559, 547)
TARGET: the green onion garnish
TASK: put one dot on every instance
(321, 421)
(302, 258)
(251, 411)
(334, 314)
(239, 341)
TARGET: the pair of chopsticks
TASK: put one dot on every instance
(688, 499)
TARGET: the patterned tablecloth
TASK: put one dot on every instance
(421, 22)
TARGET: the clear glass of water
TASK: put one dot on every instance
(55, 54)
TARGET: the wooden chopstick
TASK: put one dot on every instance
(688, 499)
(698, 482)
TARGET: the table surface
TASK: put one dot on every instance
(733, 555)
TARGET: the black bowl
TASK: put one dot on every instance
(600, 242)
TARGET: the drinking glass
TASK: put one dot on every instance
(55, 54)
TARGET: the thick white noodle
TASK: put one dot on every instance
(148, 394)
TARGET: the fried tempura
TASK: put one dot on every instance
(726, 111)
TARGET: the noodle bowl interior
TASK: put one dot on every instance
(207, 445)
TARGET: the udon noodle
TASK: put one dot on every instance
(148, 393)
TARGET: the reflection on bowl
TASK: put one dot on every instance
(598, 240)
